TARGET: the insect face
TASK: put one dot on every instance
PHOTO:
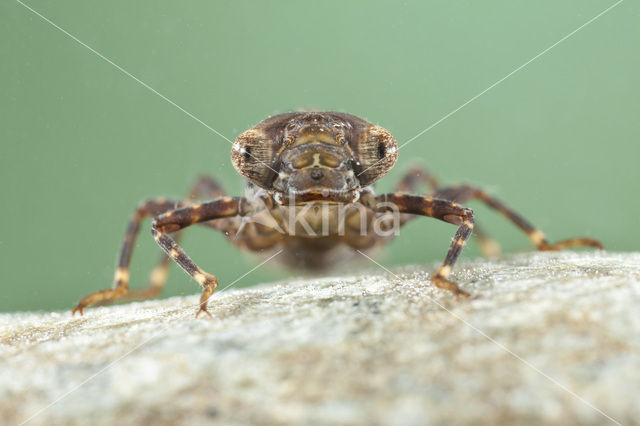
(316, 167)
(314, 156)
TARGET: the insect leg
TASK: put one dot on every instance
(446, 211)
(463, 193)
(417, 176)
(176, 220)
(205, 187)
(121, 280)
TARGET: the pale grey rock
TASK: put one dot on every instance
(363, 349)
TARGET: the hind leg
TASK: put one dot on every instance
(463, 193)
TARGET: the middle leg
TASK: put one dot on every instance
(204, 186)
(121, 279)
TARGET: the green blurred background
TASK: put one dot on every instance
(82, 143)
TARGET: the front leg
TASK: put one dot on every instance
(440, 209)
(204, 188)
(176, 220)
(417, 176)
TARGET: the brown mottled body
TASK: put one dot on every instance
(309, 195)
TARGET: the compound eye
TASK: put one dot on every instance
(252, 155)
(382, 149)
(246, 153)
(377, 152)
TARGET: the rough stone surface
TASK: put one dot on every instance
(369, 348)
